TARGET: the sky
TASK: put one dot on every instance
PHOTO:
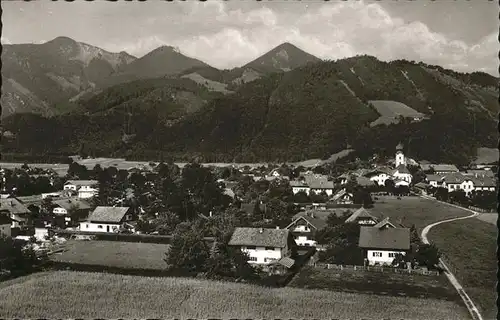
(460, 35)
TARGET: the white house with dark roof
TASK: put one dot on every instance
(85, 188)
(379, 175)
(382, 244)
(299, 186)
(106, 219)
(343, 197)
(63, 206)
(304, 227)
(263, 245)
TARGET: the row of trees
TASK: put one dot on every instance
(483, 199)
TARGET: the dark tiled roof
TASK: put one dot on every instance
(384, 222)
(13, 206)
(277, 238)
(72, 203)
(361, 213)
(317, 223)
(386, 238)
(402, 169)
(444, 167)
(108, 214)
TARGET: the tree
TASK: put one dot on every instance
(428, 255)
(414, 237)
(16, 259)
(389, 186)
(188, 251)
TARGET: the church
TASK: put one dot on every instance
(401, 174)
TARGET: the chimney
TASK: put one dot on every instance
(261, 230)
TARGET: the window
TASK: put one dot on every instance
(99, 227)
(253, 259)
(251, 247)
(392, 254)
(377, 254)
(270, 248)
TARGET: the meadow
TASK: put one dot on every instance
(130, 255)
(489, 218)
(390, 111)
(377, 283)
(68, 294)
(469, 249)
(415, 210)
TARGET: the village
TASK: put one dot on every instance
(283, 221)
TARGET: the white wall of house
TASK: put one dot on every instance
(403, 176)
(86, 192)
(21, 220)
(302, 228)
(366, 222)
(70, 187)
(382, 256)
(296, 190)
(304, 240)
(380, 178)
(479, 188)
(40, 233)
(263, 255)
(433, 183)
(402, 183)
(60, 211)
(467, 186)
(98, 227)
(5, 230)
(329, 192)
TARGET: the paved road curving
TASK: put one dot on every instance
(473, 310)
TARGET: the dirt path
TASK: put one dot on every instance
(473, 310)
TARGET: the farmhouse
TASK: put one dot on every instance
(484, 184)
(434, 180)
(362, 217)
(304, 226)
(19, 213)
(106, 219)
(379, 176)
(85, 188)
(64, 206)
(382, 244)
(299, 186)
(263, 245)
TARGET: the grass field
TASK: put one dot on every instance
(115, 254)
(489, 218)
(469, 249)
(390, 111)
(378, 283)
(415, 210)
(66, 294)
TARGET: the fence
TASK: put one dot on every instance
(376, 269)
(481, 210)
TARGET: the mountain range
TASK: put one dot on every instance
(285, 105)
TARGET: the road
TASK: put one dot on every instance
(473, 310)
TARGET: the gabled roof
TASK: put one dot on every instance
(385, 238)
(384, 223)
(455, 178)
(108, 214)
(315, 222)
(70, 203)
(484, 182)
(82, 182)
(340, 194)
(402, 169)
(363, 181)
(444, 167)
(287, 262)
(14, 206)
(359, 214)
(434, 177)
(321, 185)
(260, 237)
(298, 183)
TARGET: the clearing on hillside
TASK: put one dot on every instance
(390, 111)
(415, 210)
(486, 155)
(129, 255)
(67, 294)
(469, 249)
(210, 84)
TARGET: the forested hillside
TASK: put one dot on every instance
(309, 112)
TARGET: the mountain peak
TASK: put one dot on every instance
(284, 57)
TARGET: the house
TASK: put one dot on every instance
(434, 180)
(299, 186)
(304, 226)
(5, 224)
(379, 176)
(343, 178)
(382, 244)
(402, 173)
(422, 187)
(321, 186)
(362, 217)
(484, 184)
(444, 168)
(63, 206)
(263, 245)
(106, 219)
(18, 212)
(343, 197)
(85, 188)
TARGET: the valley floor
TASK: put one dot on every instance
(67, 294)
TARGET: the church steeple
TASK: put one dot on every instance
(400, 157)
